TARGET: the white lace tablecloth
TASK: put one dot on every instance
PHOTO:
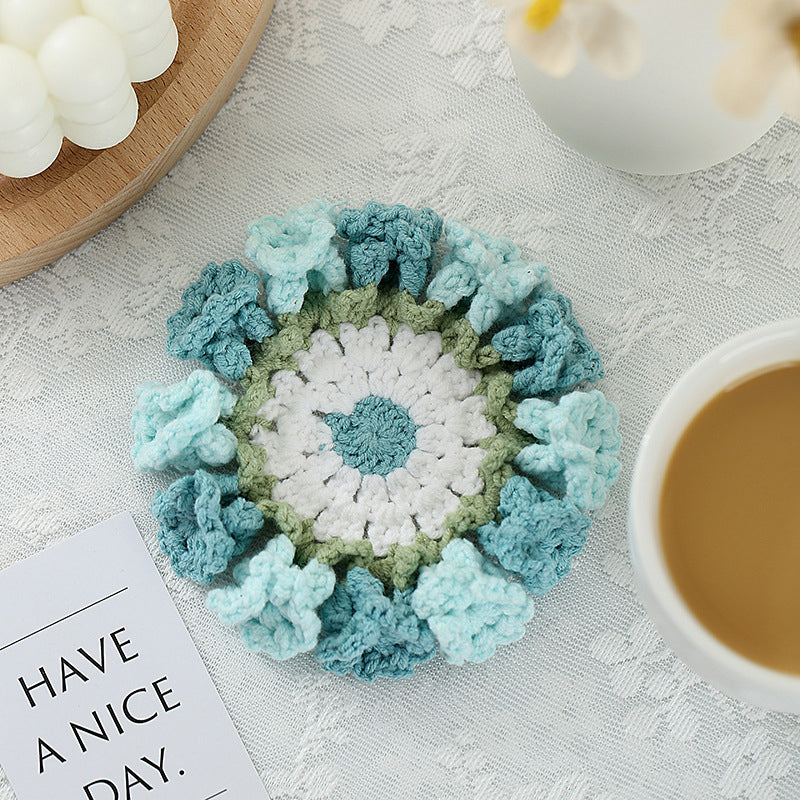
(415, 101)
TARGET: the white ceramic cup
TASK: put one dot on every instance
(749, 354)
(664, 119)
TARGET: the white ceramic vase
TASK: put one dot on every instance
(664, 120)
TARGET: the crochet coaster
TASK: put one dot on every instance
(414, 460)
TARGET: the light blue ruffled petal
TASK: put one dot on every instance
(491, 271)
(537, 537)
(295, 253)
(177, 426)
(469, 604)
(275, 604)
(579, 444)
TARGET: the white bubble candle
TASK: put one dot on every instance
(66, 69)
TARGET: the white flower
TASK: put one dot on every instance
(375, 436)
(549, 31)
(768, 59)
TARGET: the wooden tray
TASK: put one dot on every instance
(45, 216)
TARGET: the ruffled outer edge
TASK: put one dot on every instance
(470, 350)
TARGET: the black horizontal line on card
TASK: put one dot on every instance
(65, 617)
(212, 796)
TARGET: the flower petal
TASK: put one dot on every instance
(469, 605)
(789, 92)
(552, 50)
(747, 75)
(742, 17)
(611, 39)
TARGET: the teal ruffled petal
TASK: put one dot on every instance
(488, 269)
(578, 446)
(469, 604)
(204, 524)
(537, 537)
(370, 634)
(177, 426)
(556, 351)
(219, 314)
(295, 253)
(383, 238)
(275, 603)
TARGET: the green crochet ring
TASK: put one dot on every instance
(414, 458)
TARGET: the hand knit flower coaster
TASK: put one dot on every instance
(410, 442)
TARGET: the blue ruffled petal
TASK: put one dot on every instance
(370, 634)
(204, 524)
(553, 346)
(537, 537)
(578, 445)
(491, 271)
(296, 253)
(219, 314)
(382, 237)
(275, 604)
(178, 425)
(469, 604)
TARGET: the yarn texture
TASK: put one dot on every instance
(381, 238)
(416, 356)
(413, 457)
(537, 537)
(295, 253)
(204, 524)
(275, 604)
(377, 438)
(554, 348)
(579, 445)
(219, 314)
(370, 634)
(178, 426)
(470, 604)
(490, 271)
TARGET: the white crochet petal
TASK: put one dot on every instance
(467, 419)
(435, 504)
(322, 362)
(367, 346)
(437, 440)
(384, 378)
(468, 480)
(425, 410)
(305, 490)
(289, 389)
(279, 460)
(406, 390)
(416, 352)
(331, 398)
(387, 524)
(402, 486)
(353, 381)
(425, 467)
(445, 380)
(343, 518)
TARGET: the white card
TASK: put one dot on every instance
(102, 693)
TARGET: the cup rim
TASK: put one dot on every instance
(745, 355)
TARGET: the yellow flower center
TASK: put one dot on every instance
(542, 13)
(792, 31)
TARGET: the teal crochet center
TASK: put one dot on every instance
(410, 452)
